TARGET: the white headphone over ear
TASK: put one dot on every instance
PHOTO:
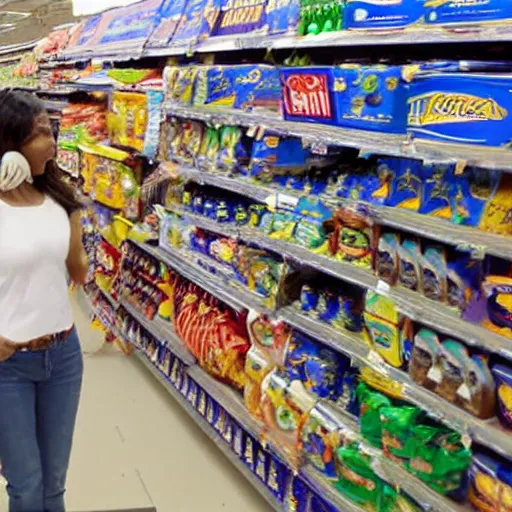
(14, 170)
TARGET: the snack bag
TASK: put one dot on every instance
(310, 232)
(370, 403)
(497, 217)
(424, 366)
(154, 120)
(257, 367)
(194, 24)
(387, 259)
(210, 146)
(269, 337)
(388, 331)
(410, 257)
(406, 182)
(473, 191)
(440, 460)
(127, 122)
(320, 437)
(434, 273)
(463, 280)
(356, 478)
(490, 488)
(437, 191)
(319, 368)
(497, 294)
(353, 237)
(285, 406)
(213, 334)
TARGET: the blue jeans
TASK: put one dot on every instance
(39, 395)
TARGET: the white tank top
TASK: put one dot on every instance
(34, 296)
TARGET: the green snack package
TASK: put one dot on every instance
(356, 478)
(439, 459)
(371, 402)
(398, 442)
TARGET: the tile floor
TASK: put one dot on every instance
(136, 449)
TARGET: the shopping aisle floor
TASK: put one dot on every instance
(135, 448)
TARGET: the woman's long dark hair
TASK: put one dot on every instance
(18, 110)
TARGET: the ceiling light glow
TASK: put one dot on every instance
(86, 7)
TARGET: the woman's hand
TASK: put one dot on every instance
(7, 349)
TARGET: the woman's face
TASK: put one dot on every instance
(40, 147)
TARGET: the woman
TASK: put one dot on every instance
(40, 359)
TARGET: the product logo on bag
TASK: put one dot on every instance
(441, 108)
(307, 96)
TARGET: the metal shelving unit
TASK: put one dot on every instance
(430, 313)
(365, 141)
(407, 220)
(489, 433)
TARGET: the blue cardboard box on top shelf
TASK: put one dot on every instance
(467, 11)
(370, 97)
(383, 14)
(471, 108)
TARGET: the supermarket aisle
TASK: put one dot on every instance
(136, 449)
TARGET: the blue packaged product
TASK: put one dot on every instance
(193, 25)
(328, 306)
(320, 437)
(224, 211)
(310, 232)
(256, 87)
(308, 299)
(370, 97)
(371, 186)
(382, 14)
(461, 108)
(250, 451)
(463, 280)
(472, 191)
(436, 196)
(261, 463)
(318, 368)
(238, 439)
(273, 156)
(467, 11)
(282, 16)
(307, 94)
(319, 504)
(192, 393)
(277, 478)
(240, 17)
(130, 26)
(198, 203)
(298, 495)
(490, 483)
(171, 12)
(348, 398)
(214, 86)
(406, 181)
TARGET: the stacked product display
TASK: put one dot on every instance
(313, 254)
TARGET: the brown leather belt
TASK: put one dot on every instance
(44, 342)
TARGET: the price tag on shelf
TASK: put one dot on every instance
(460, 166)
(319, 148)
(383, 287)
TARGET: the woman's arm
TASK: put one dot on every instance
(76, 262)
